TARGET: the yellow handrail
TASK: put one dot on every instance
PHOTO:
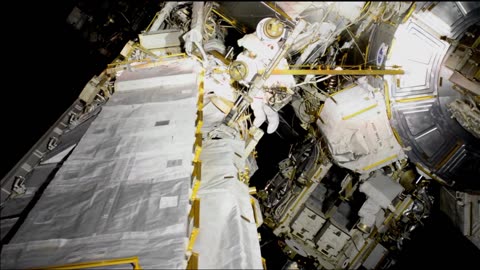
(131, 260)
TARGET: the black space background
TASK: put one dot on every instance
(45, 65)
(48, 65)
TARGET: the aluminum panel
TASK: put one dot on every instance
(425, 125)
(449, 12)
(115, 196)
(467, 7)
(419, 53)
(429, 141)
(419, 122)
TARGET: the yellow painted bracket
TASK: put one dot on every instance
(198, 151)
(195, 213)
(358, 72)
(432, 175)
(199, 117)
(397, 136)
(220, 57)
(198, 130)
(196, 186)
(146, 60)
(200, 102)
(320, 109)
(198, 134)
(413, 99)
(409, 13)
(201, 87)
(201, 91)
(131, 260)
(113, 67)
(387, 99)
(151, 22)
(193, 238)
(193, 262)
(302, 194)
(278, 10)
(359, 112)
(367, 50)
(240, 28)
(145, 50)
(344, 89)
(366, 168)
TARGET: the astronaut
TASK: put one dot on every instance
(260, 48)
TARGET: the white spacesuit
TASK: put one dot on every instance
(260, 49)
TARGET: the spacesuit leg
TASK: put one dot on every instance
(258, 112)
(272, 117)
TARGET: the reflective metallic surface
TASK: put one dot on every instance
(420, 97)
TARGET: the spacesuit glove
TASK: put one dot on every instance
(263, 112)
